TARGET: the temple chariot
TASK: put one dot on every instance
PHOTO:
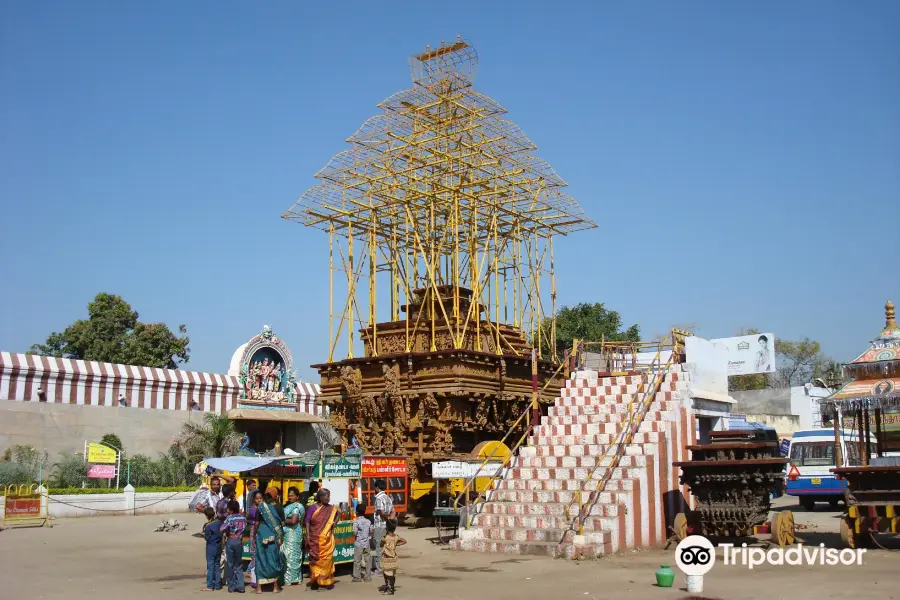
(441, 224)
(870, 405)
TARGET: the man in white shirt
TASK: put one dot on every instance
(384, 511)
(207, 496)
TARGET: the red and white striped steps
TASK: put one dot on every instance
(531, 509)
(551, 498)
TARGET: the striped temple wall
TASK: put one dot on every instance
(306, 394)
(81, 382)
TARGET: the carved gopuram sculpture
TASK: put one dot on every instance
(428, 409)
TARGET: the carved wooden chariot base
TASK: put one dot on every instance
(430, 401)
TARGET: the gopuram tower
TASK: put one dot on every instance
(441, 224)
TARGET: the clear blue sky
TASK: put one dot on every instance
(741, 158)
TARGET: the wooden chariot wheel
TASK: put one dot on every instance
(848, 535)
(680, 525)
(784, 528)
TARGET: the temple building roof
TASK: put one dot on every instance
(876, 372)
(887, 345)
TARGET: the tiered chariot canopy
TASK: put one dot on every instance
(439, 144)
(876, 372)
(440, 192)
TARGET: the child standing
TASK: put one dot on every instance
(362, 549)
(212, 533)
(233, 530)
(389, 557)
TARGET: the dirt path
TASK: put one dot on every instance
(121, 557)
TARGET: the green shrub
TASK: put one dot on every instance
(21, 464)
(139, 490)
(70, 471)
(168, 470)
(78, 491)
(11, 473)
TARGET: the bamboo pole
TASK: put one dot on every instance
(408, 287)
(373, 296)
(838, 453)
(351, 291)
(496, 289)
(867, 444)
(879, 445)
(430, 271)
(552, 300)
(332, 342)
(862, 439)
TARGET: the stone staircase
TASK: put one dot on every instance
(531, 509)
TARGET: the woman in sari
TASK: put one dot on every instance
(294, 512)
(319, 525)
(268, 565)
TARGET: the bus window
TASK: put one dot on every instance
(812, 454)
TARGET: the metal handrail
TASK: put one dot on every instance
(512, 451)
(626, 435)
(577, 348)
(624, 354)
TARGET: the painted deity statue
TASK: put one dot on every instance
(246, 381)
(263, 369)
(274, 383)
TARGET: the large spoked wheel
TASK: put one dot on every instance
(848, 536)
(680, 525)
(785, 533)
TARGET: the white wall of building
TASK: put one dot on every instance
(708, 365)
(94, 505)
(805, 404)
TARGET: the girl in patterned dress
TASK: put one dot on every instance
(389, 557)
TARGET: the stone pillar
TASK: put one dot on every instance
(45, 505)
(129, 498)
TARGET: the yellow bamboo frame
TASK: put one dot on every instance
(441, 195)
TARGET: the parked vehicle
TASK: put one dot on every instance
(811, 457)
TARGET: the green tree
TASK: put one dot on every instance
(214, 437)
(587, 321)
(798, 363)
(22, 464)
(70, 471)
(113, 441)
(112, 333)
(832, 373)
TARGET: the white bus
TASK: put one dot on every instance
(811, 457)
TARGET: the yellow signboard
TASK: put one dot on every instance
(100, 454)
(24, 505)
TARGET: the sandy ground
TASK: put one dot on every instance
(121, 557)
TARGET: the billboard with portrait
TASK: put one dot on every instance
(749, 354)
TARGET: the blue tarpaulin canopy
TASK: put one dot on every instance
(241, 464)
(238, 464)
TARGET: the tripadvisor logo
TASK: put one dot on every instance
(794, 556)
(696, 555)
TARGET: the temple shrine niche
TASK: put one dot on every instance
(441, 224)
(266, 375)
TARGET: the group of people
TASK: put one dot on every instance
(281, 535)
(376, 542)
